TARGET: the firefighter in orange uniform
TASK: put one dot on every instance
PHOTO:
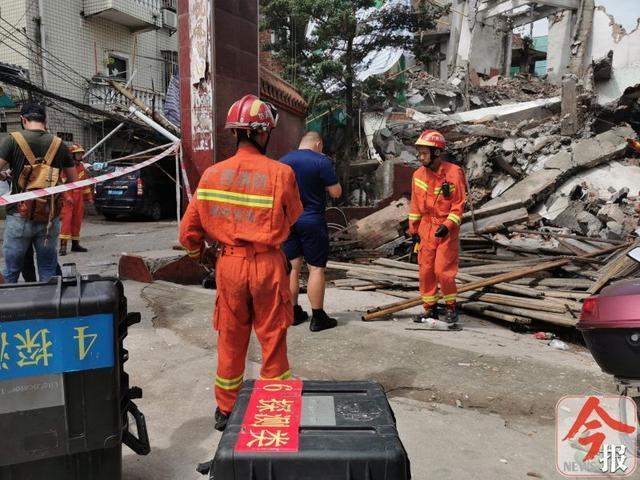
(248, 204)
(73, 207)
(437, 203)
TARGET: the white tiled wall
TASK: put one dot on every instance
(83, 44)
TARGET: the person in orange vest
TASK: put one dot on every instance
(248, 204)
(435, 214)
(73, 207)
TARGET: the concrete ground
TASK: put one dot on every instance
(473, 404)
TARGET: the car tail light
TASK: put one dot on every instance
(589, 309)
(140, 187)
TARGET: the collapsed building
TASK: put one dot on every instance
(551, 161)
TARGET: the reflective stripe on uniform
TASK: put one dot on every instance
(285, 376)
(235, 198)
(229, 383)
(438, 190)
(193, 253)
(454, 218)
(430, 298)
(415, 216)
(450, 298)
(420, 184)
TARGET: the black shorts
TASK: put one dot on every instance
(308, 240)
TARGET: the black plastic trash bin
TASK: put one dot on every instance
(65, 400)
(347, 432)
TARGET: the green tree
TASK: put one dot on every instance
(322, 44)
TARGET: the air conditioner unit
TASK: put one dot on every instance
(169, 19)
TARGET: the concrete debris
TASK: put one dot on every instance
(535, 193)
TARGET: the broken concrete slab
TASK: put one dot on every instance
(558, 168)
(382, 226)
(513, 113)
(496, 222)
(589, 224)
(611, 212)
(542, 142)
(509, 145)
(568, 218)
(502, 186)
(561, 161)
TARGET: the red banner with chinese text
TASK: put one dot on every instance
(272, 420)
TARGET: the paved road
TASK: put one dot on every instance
(474, 404)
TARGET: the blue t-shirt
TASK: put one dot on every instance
(314, 172)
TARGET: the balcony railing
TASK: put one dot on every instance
(101, 95)
(134, 14)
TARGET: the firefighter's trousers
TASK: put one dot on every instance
(438, 260)
(252, 290)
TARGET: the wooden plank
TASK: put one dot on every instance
(529, 303)
(561, 320)
(576, 283)
(485, 309)
(614, 268)
(505, 277)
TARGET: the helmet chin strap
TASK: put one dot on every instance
(261, 148)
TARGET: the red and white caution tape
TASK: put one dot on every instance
(21, 197)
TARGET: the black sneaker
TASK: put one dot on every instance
(221, 420)
(321, 321)
(76, 247)
(430, 313)
(299, 315)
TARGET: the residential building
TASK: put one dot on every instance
(73, 48)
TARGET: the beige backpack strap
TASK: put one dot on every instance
(24, 146)
(53, 149)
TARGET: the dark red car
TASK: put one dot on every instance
(610, 325)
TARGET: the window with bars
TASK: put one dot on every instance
(170, 66)
(65, 136)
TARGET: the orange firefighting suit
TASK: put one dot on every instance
(437, 257)
(73, 208)
(248, 204)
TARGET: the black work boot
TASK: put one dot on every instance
(321, 321)
(63, 248)
(221, 420)
(431, 312)
(75, 247)
(299, 315)
(451, 316)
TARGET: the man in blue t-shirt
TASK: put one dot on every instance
(309, 236)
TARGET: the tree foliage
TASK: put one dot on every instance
(323, 44)
(325, 63)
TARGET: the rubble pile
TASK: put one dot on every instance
(554, 213)
(429, 94)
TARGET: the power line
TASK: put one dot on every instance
(54, 73)
(25, 84)
(57, 73)
(47, 51)
(20, 19)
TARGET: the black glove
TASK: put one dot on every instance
(442, 231)
(415, 239)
